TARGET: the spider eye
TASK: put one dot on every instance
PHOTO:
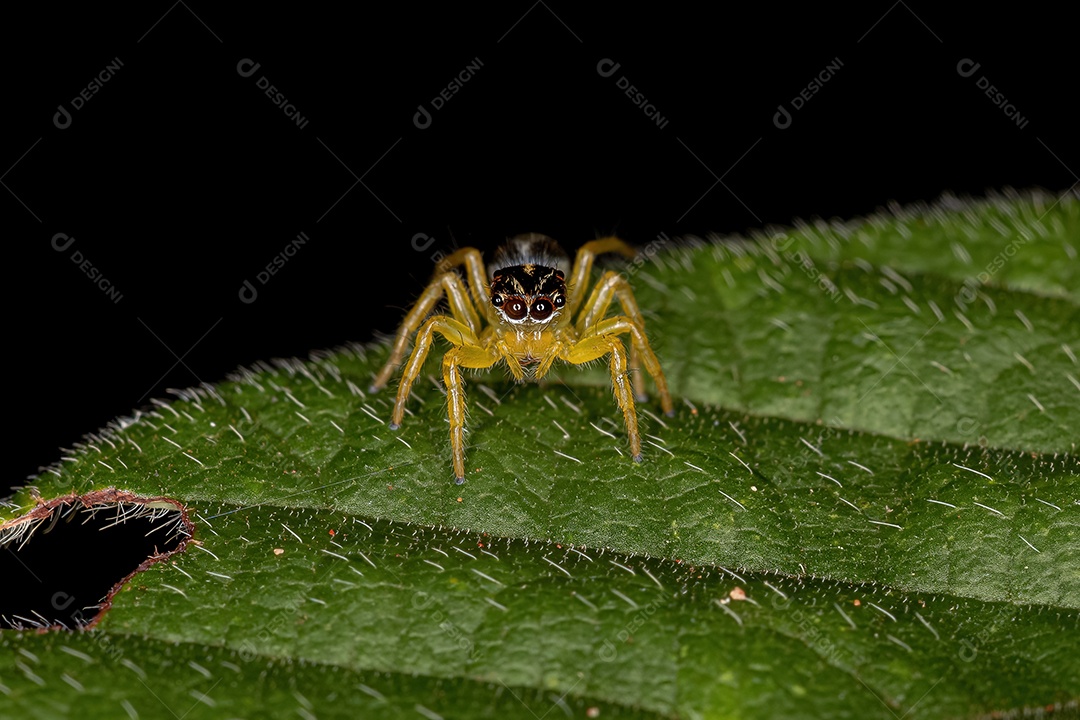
(541, 309)
(516, 309)
(559, 301)
(497, 300)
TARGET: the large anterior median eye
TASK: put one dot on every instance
(515, 308)
(541, 309)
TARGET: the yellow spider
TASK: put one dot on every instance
(529, 307)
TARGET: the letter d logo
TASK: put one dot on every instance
(782, 118)
(62, 118)
(422, 118)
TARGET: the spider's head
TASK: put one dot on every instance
(528, 294)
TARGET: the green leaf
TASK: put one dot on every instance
(866, 506)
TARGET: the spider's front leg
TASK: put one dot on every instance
(468, 351)
(583, 262)
(470, 356)
(597, 346)
(622, 324)
(453, 330)
(591, 321)
(447, 282)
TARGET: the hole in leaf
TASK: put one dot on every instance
(61, 563)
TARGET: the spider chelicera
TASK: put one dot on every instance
(522, 312)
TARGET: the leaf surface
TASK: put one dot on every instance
(866, 506)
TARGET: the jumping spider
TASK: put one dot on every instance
(524, 315)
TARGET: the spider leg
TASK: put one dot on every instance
(462, 310)
(453, 330)
(470, 356)
(583, 262)
(594, 309)
(596, 346)
(477, 275)
(612, 284)
(623, 324)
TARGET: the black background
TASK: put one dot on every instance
(180, 179)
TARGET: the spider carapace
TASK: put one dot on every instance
(526, 311)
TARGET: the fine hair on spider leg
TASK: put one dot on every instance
(528, 309)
